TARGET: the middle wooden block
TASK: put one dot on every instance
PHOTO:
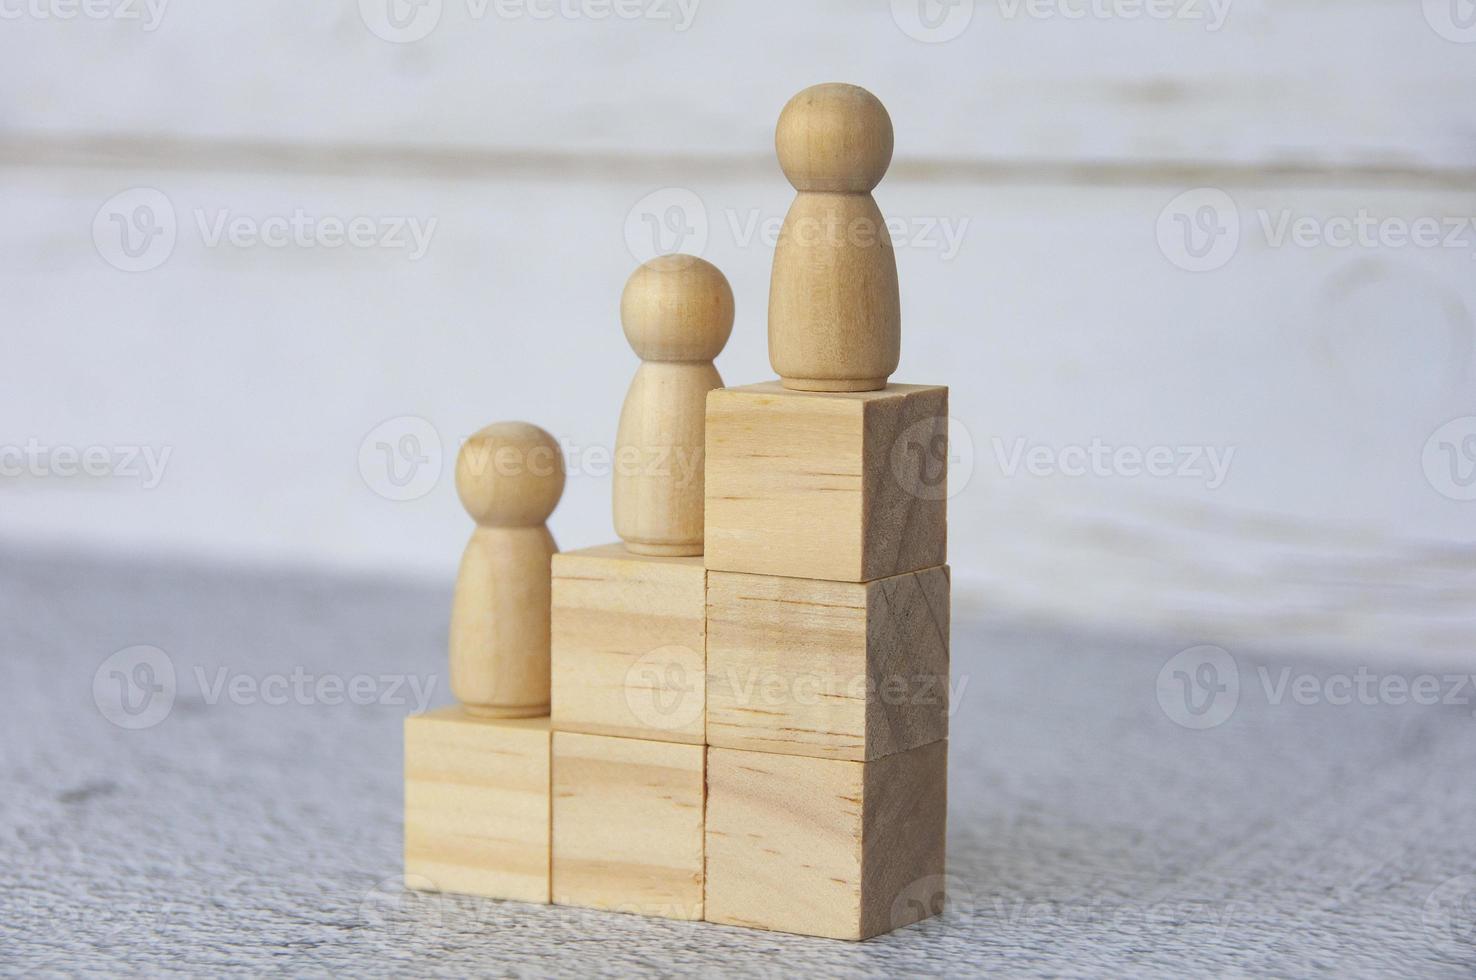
(837, 670)
(629, 644)
(628, 818)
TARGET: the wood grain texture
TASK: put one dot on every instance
(904, 832)
(509, 476)
(629, 644)
(627, 825)
(477, 805)
(1320, 83)
(830, 669)
(841, 486)
(677, 313)
(834, 311)
(499, 622)
(825, 847)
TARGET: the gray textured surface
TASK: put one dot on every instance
(1089, 834)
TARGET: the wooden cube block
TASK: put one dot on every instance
(627, 831)
(840, 670)
(849, 486)
(477, 804)
(824, 847)
(629, 644)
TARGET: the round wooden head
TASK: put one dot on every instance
(834, 137)
(510, 474)
(677, 308)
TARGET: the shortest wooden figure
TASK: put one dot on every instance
(510, 477)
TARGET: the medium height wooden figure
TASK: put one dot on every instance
(677, 311)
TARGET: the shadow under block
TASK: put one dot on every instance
(825, 847)
(627, 824)
(477, 805)
(838, 670)
(847, 486)
(629, 644)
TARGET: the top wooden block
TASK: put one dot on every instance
(844, 486)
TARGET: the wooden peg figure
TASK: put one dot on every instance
(509, 477)
(677, 311)
(834, 313)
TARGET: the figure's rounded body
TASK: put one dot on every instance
(677, 313)
(834, 311)
(660, 456)
(500, 622)
(509, 477)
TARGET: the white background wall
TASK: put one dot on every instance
(1060, 152)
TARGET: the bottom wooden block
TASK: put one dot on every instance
(627, 825)
(477, 805)
(824, 847)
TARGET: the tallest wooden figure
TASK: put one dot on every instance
(834, 318)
